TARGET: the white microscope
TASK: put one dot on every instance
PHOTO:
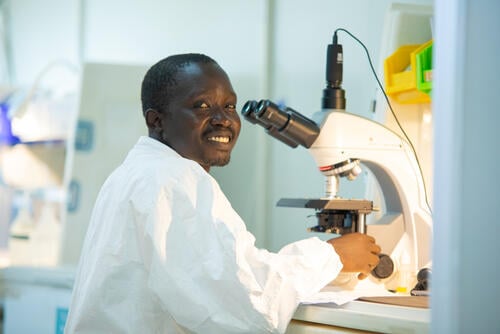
(340, 144)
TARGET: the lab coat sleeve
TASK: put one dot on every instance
(207, 273)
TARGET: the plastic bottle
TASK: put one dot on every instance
(45, 239)
(20, 234)
(405, 274)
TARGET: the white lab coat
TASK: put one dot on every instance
(166, 253)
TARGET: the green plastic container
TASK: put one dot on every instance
(423, 57)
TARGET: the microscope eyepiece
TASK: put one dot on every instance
(248, 111)
(285, 124)
(271, 114)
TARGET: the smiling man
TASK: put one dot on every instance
(166, 253)
(200, 120)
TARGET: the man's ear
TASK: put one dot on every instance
(153, 120)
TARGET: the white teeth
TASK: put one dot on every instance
(219, 139)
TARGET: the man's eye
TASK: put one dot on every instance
(231, 106)
(201, 105)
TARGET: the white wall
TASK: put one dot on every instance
(292, 41)
(41, 33)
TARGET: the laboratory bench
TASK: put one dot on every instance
(398, 314)
(43, 295)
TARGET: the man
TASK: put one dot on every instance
(166, 253)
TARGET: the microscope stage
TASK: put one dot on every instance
(360, 206)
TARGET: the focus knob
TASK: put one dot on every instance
(385, 267)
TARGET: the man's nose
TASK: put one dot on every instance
(220, 117)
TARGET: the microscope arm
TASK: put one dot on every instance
(343, 137)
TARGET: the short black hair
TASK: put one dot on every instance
(161, 77)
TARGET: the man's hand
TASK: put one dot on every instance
(358, 253)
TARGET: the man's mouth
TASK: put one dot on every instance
(220, 139)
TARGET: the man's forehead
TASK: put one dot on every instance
(200, 77)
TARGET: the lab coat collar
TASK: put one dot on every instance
(149, 143)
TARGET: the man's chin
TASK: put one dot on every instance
(219, 161)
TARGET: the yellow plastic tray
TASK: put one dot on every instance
(401, 78)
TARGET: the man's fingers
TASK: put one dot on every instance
(376, 249)
(362, 276)
(370, 238)
(371, 266)
(373, 261)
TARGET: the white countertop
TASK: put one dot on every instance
(367, 316)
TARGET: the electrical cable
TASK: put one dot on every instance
(390, 107)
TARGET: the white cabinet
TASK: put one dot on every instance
(35, 300)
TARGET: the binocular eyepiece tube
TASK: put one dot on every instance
(284, 124)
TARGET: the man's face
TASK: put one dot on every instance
(201, 122)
